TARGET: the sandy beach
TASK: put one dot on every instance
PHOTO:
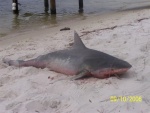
(125, 35)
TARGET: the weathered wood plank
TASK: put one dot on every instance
(53, 6)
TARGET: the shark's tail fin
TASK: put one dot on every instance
(13, 62)
(20, 63)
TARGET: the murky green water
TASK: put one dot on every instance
(32, 13)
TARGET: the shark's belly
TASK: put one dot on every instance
(66, 66)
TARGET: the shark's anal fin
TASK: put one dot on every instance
(80, 75)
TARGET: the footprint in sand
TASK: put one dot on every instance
(145, 48)
(13, 106)
(4, 80)
(8, 94)
(2, 65)
(30, 71)
(41, 106)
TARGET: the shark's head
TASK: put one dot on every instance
(99, 64)
(118, 67)
(109, 66)
(121, 64)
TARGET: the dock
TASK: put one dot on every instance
(46, 6)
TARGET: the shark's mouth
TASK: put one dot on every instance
(109, 72)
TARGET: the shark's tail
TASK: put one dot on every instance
(16, 63)
(20, 63)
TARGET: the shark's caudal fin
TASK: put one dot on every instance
(12, 62)
(77, 41)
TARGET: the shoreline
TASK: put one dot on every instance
(122, 34)
(84, 19)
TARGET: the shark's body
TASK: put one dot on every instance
(78, 60)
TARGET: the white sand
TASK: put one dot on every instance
(29, 90)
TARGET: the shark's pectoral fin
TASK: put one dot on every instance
(82, 74)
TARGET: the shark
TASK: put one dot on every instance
(78, 61)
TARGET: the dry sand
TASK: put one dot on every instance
(30, 90)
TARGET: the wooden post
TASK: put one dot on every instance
(80, 5)
(53, 6)
(15, 6)
(46, 4)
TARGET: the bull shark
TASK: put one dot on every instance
(78, 60)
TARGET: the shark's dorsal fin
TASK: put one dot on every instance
(77, 41)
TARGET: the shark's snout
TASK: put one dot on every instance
(120, 64)
(127, 65)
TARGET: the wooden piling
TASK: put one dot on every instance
(15, 6)
(80, 5)
(53, 6)
(46, 4)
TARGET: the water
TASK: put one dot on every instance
(32, 12)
